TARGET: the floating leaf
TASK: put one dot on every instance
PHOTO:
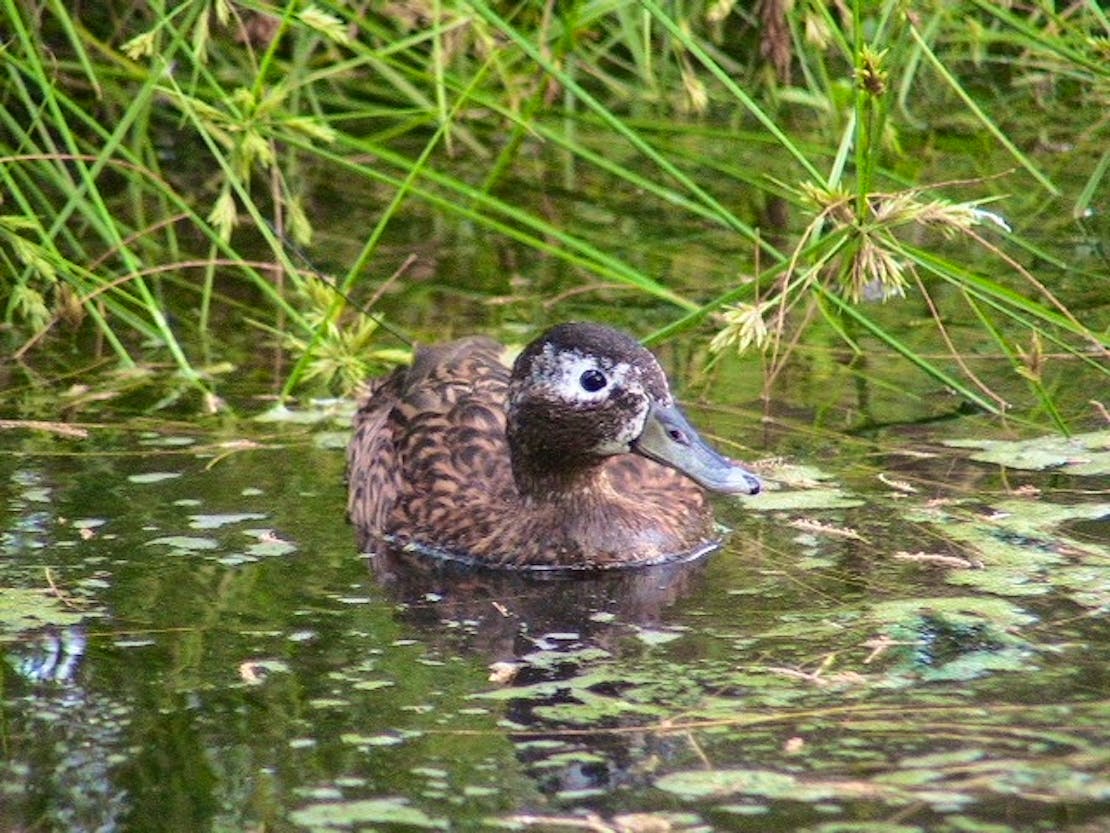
(335, 814)
(1032, 517)
(960, 610)
(595, 708)
(317, 411)
(1023, 551)
(1085, 454)
(216, 521)
(721, 782)
(655, 636)
(698, 784)
(823, 498)
(1001, 581)
(153, 476)
(22, 609)
(171, 441)
(184, 543)
(269, 544)
(371, 685)
(371, 740)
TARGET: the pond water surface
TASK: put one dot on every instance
(899, 635)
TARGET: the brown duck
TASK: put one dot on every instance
(577, 458)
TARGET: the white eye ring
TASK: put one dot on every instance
(592, 380)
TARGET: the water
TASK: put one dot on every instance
(901, 634)
(898, 638)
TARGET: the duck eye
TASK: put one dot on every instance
(592, 380)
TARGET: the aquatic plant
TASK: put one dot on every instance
(166, 174)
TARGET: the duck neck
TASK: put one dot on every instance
(546, 470)
(559, 483)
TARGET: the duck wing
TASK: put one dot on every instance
(428, 438)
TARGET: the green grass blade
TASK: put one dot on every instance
(473, 204)
(962, 277)
(929, 368)
(607, 116)
(1035, 385)
(983, 118)
(733, 88)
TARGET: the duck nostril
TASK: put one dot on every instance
(678, 436)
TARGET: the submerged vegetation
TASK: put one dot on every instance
(167, 173)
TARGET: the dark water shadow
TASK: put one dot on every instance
(546, 635)
(505, 615)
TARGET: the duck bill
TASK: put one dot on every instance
(670, 439)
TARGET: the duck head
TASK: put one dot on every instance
(583, 392)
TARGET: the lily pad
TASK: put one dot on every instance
(342, 814)
(153, 476)
(809, 499)
(314, 412)
(958, 610)
(1024, 549)
(700, 784)
(168, 441)
(269, 545)
(721, 782)
(1085, 454)
(23, 609)
(216, 521)
(184, 543)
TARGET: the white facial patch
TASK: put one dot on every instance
(561, 373)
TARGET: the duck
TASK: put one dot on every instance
(572, 457)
